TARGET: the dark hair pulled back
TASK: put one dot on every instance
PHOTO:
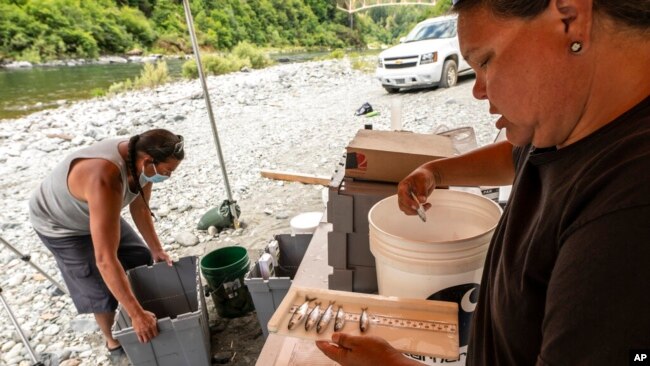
(162, 145)
(633, 13)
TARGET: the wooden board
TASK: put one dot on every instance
(296, 177)
(442, 342)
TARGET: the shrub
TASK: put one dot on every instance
(189, 69)
(137, 25)
(171, 43)
(215, 65)
(19, 41)
(336, 54)
(152, 76)
(258, 58)
(50, 47)
(98, 92)
(219, 65)
(31, 55)
(111, 37)
(120, 87)
(364, 65)
(79, 43)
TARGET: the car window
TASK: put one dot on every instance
(433, 31)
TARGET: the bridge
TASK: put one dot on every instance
(353, 6)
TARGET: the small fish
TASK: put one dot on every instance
(300, 313)
(313, 317)
(364, 322)
(339, 322)
(325, 319)
(420, 209)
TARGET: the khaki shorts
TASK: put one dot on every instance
(75, 256)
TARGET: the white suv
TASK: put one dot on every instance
(429, 55)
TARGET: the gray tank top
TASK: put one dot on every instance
(54, 212)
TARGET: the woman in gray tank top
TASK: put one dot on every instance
(76, 213)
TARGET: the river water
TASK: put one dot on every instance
(24, 91)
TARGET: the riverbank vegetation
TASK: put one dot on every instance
(151, 76)
(243, 55)
(42, 30)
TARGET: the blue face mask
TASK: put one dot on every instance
(156, 178)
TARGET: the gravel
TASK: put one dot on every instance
(292, 117)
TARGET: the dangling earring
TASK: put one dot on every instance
(576, 47)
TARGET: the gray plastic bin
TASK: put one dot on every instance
(268, 294)
(175, 295)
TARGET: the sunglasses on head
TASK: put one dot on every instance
(179, 145)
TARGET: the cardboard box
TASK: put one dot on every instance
(389, 156)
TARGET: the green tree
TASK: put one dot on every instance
(45, 29)
(135, 23)
(79, 43)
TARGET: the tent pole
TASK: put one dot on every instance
(32, 355)
(27, 258)
(208, 104)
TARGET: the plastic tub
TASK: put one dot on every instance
(440, 259)
(175, 295)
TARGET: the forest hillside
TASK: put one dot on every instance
(41, 30)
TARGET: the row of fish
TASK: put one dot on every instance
(322, 318)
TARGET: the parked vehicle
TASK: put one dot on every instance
(428, 56)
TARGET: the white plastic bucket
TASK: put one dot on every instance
(305, 223)
(441, 259)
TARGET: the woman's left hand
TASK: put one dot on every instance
(349, 350)
(161, 256)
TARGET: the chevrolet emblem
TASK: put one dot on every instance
(398, 62)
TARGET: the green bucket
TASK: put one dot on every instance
(224, 269)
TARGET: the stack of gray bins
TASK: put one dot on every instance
(175, 295)
(348, 245)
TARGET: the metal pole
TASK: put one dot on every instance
(351, 15)
(27, 258)
(206, 95)
(20, 331)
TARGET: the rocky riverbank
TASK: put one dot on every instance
(293, 117)
(103, 60)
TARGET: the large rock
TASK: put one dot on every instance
(18, 65)
(71, 362)
(111, 60)
(134, 52)
(52, 330)
(16, 280)
(186, 239)
(83, 325)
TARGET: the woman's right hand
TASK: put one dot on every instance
(421, 182)
(145, 326)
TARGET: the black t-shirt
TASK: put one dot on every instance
(567, 277)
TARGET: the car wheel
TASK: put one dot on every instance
(391, 90)
(449, 75)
